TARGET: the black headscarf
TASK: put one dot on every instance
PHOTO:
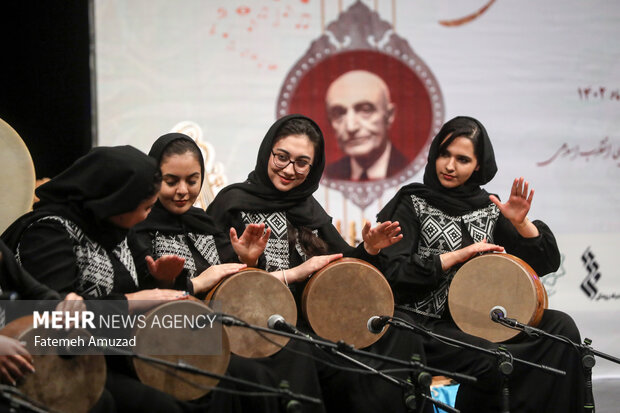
(258, 194)
(160, 219)
(106, 181)
(463, 198)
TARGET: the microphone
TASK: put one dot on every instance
(376, 323)
(498, 313)
(277, 322)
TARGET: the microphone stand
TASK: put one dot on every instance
(587, 353)
(504, 357)
(283, 391)
(342, 347)
(417, 378)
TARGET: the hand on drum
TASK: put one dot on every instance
(517, 207)
(147, 299)
(15, 361)
(72, 303)
(381, 236)
(213, 275)
(166, 268)
(251, 244)
(305, 270)
(450, 259)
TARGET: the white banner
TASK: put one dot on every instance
(543, 77)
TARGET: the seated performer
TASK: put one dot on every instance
(75, 240)
(445, 222)
(15, 360)
(278, 193)
(178, 238)
(179, 246)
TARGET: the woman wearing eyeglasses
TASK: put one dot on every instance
(278, 193)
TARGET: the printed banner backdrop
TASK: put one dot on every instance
(543, 77)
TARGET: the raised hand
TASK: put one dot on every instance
(519, 202)
(381, 236)
(517, 208)
(166, 268)
(213, 275)
(251, 244)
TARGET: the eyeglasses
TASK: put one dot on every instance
(282, 160)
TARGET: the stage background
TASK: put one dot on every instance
(543, 77)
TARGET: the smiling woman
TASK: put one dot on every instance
(294, 145)
(179, 246)
(279, 193)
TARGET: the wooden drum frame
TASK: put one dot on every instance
(151, 341)
(61, 383)
(496, 280)
(18, 178)
(341, 297)
(253, 295)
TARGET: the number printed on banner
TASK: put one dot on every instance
(598, 93)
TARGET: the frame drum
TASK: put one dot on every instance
(167, 343)
(491, 280)
(341, 297)
(61, 383)
(253, 295)
(18, 178)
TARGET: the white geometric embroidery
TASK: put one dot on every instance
(277, 249)
(441, 233)
(123, 253)
(205, 244)
(96, 270)
(164, 244)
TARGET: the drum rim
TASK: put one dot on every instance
(371, 338)
(23, 199)
(537, 288)
(270, 348)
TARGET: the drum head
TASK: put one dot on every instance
(18, 178)
(494, 280)
(168, 342)
(61, 383)
(253, 296)
(339, 300)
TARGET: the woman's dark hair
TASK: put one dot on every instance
(179, 147)
(299, 127)
(310, 243)
(468, 129)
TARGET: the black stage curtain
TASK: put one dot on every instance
(45, 79)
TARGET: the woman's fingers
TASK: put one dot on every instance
(24, 364)
(229, 269)
(266, 234)
(150, 263)
(233, 235)
(333, 257)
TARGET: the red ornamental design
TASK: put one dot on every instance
(360, 40)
